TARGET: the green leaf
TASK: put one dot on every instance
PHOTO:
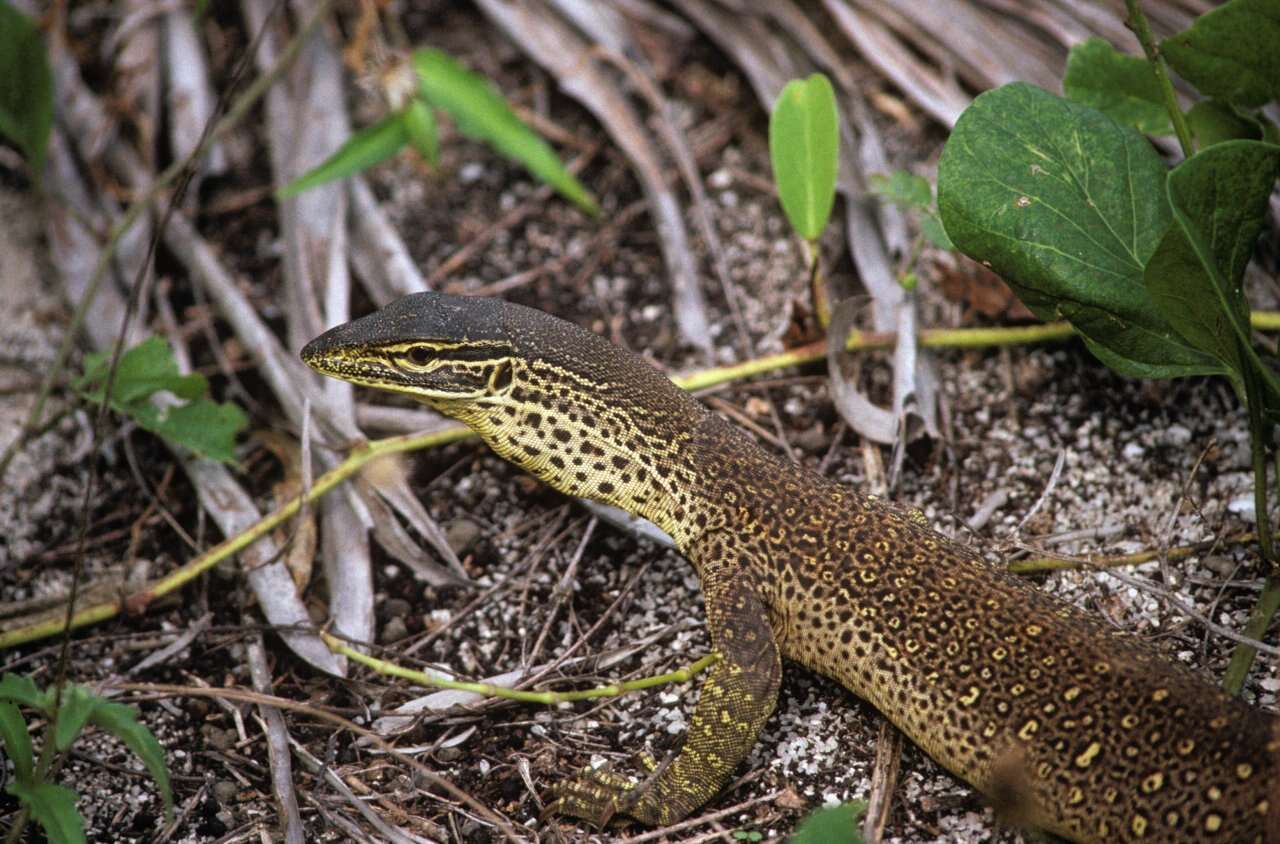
(18, 688)
(1230, 53)
(1212, 122)
(26, 87)
(831, 824)
(420, 125)
(1121, 86)
(17, 743)
(902, 188)
(804, 145)
(1219, 199)
(143, 370)
(369, 146)
(205, 427)
(931, 228)
(1067, 205)
(77, 704)
(122, 722)
(481, 113)
(54, 808)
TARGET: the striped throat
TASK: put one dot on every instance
(561, 403)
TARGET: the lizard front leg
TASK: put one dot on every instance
(738, 695)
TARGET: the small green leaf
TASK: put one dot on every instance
(831, 824)
(1230, 52)
(369, 146)
(142, 371)
(54, 808)
(1212, 122)
(19, 688)
(1219, 199)
(481, 113)
(1121, 86)
(17, 743)
(804, 146)
(1067, 206)
(205, 427)
(122, 722)
(77, 704)
(420, 124)
(931, 228)
(902, 188)
(26, 87)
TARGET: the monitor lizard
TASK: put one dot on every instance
(1084, 730)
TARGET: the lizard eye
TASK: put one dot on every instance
(419, 355)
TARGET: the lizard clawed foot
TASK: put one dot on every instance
(596, 795)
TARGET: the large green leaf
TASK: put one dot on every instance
(1120, 86)
(369, 146)
(1067, 205)
(1212, 122)
(804, 145)
(1232, 52)
(481, 113)
(26, 87)
(1219, 199)
(54, 808)
(122, 722)
(17, 743)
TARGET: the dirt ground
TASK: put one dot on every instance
(1143, 466)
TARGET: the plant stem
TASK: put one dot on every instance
(1259, 620)
(1046, 564)
(1137, 23)
(432, 681)
(817, 283)
(1243, 655)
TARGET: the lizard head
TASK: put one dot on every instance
(587, 417)
(449, 352)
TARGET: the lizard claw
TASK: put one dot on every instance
(596, 795)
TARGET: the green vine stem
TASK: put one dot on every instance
(1260, 619)
(435, 681)
(1137, 23)
(364, 454)
(1041, 565)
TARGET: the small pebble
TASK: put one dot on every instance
(395, 608)
(394, 630)
(224, 791)
(462, 534)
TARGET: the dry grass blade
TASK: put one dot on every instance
(277, 748)
(931, 89)
(884, 780)
(381, 260)
(984, 49)
(189, 98)
(553, 44)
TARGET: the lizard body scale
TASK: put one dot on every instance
(1091, 732)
